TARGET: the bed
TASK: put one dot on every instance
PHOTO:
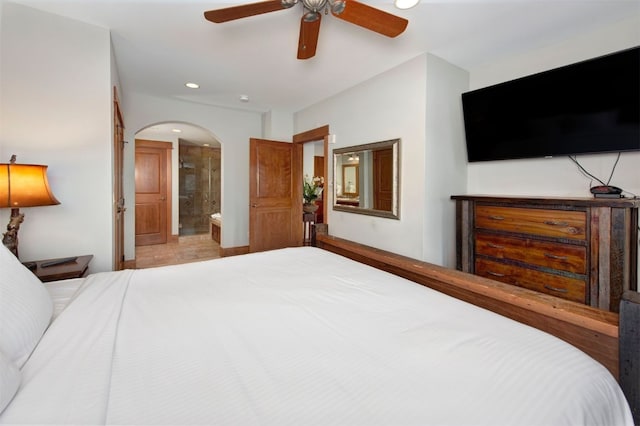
(297, 336)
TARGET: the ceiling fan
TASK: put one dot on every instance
(348, 10)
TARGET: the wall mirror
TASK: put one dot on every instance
(366, 179)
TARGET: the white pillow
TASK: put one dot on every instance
(25, 308)
(10, 378)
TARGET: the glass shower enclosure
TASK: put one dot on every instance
(199, 187)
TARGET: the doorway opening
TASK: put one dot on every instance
(313, 167)
(197, 176)
(199, 187)
(315, 146)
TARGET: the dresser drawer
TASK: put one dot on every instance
(540, 222)
(585, 247)
(560, 256)
(555, 285)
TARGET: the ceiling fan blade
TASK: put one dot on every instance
(308, 40)
(237, 12)
(371, 18)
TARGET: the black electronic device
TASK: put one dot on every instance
(56, 262)
(605, 189)
(584, 108)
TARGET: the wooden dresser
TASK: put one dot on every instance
(580, 249)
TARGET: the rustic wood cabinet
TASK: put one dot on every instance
(580, 249)
(215, 229)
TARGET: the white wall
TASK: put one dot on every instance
(397, 104)
(309, 151)
(445, 158)
(233, 128)
(278, 126)
(55, 109)
(556, 176)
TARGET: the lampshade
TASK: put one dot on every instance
(25, 185)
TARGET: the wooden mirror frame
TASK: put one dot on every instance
(346, 204)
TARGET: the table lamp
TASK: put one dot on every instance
(22, 185)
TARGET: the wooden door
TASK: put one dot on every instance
(275, 195)
(153, 192)
(318, 166)
(383, 179)
(118, 193)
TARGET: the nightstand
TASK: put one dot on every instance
(309, 220)
(77, 268)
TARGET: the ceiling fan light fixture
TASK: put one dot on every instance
(286, 4)
(311, 16)
(405, 4)
(314, 5)
(337, 6)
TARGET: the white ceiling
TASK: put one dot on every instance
(161, 44)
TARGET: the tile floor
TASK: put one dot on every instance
(191, 248)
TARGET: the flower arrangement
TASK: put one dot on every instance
(312, 188)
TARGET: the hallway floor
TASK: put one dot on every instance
(191, 248)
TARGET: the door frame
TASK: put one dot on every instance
(118, 189)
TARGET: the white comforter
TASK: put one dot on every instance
(299, 337)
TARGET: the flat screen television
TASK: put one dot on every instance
(584, 108)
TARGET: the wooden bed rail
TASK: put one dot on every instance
(630, 350)
(594, 331)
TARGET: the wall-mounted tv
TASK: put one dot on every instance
(588, 107)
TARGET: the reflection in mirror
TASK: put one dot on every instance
(367, 179)
(350, 180)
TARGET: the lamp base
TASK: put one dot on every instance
(10, 238)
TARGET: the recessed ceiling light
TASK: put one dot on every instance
(176, 130)
(192, 85)
(405, 4)
(244, 98)
(205, 144)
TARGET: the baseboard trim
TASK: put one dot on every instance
(233, 251)
(129, 264)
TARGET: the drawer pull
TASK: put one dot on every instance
(496, 217)
(495, 246)
(556, 223)
(495, 274)
(555, 256)
(559, 290)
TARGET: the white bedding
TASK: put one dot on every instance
(299, 337)
(62, 292)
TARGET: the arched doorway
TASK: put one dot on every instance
(196, 175)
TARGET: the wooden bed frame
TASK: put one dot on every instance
(592, 330)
